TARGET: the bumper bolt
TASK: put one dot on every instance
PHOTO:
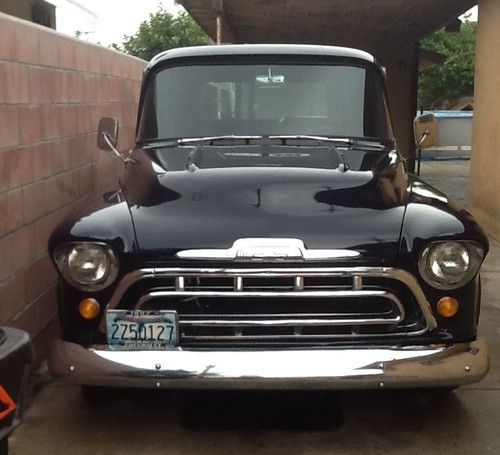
(158, 366)
(71, 368)
(158, 385)
(467, 368)
(381, 385)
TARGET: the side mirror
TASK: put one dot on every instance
(425, 131)
(107, 134)
(107, 138)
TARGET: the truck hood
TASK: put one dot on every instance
(212, 208)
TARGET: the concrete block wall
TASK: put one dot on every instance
(53, 91)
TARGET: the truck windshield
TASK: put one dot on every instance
(264, 99)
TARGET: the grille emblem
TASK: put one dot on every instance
(267, 249)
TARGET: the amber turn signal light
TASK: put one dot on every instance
(89, 309)
(447, 307)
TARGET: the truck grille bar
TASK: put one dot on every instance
(281, 304)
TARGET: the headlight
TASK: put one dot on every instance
(450, 264)
(87, 266)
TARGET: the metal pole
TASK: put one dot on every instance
(219, 29)
(218, 23)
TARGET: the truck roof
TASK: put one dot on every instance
(261, 49)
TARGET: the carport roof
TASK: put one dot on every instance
(367, 23)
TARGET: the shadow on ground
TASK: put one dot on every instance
(296, 411)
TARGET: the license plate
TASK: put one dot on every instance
(142, 329)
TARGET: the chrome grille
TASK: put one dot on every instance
(280, 304)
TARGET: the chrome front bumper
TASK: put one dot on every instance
(416, 366)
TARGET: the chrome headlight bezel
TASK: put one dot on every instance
(473, 254)
(65, 253)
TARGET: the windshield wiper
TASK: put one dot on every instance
(208, 140)
(351, 142)
(286, 137)
(211, 139)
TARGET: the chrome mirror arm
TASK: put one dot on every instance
(424, 136)
(107, 138)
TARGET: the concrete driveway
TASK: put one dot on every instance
(60, 421)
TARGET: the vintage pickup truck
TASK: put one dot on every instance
(266, 234)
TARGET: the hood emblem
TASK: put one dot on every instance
(267, 249)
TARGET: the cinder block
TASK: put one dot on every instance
(16, 83)
(85, 180)
(129, 114)
(61, 183)
(136, 92)
(5, 254)
(53, 194)
(19, 167)
(68, 120)
(90, 147)
(96, 113)
(66, 52)
(38, 314)
(15, 252)
(30, 124)
(39, 232)
(83, 119)
(4, 181)
(34, 202)
(115, 64)
(101, 88)
(71, 186)
(51, 122)
(59, 86)
(94, 61)
(8, 42)
(109, 85)
(9, 126)
(87, 151)
(3, 219)
(42, 161)
(60, 156)
(49, 49)
(14, 210)
(42, 343)
(75, 87)
(27, 50)
(40, 275)
(41, 84)
(105, 62)
(90, 88)
(3, 84)
(81, 56)
(104, 174)
(73, 153)
(13, 292)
